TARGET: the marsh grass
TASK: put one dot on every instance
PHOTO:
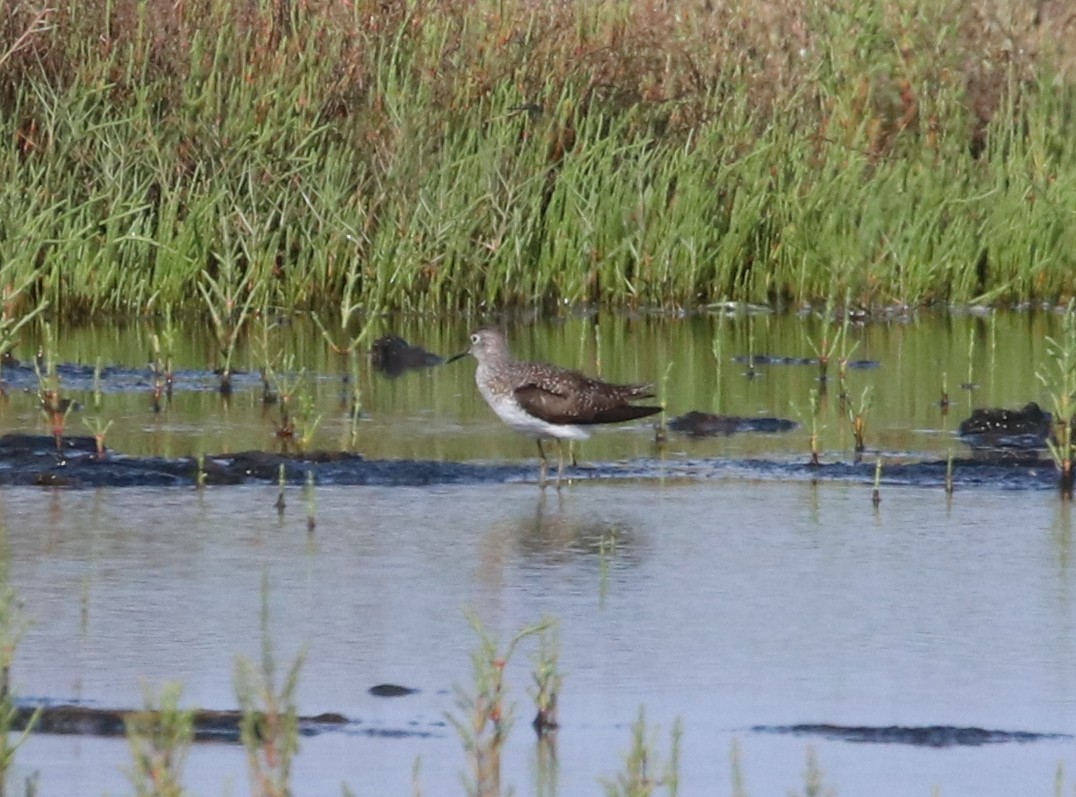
(297, 418)
(441, 154)
(230, 295)
(16, 310)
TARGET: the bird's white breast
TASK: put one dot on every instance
(509, 411)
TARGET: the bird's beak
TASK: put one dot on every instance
(455, 357)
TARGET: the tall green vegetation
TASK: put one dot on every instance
(435, 154)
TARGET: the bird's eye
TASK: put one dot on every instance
(474, 338)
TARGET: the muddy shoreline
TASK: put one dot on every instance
(38, 460)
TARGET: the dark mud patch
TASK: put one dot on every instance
(74, 462)
(209, 725)
(918, 736)
(391, 690)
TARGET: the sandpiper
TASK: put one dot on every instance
(546, 401)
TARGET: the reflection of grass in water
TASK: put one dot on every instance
(814, 783)
(606, 552)
(12, 626)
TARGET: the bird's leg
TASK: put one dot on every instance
(560, 461)
(544, 463)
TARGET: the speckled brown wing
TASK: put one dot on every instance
(569, 397)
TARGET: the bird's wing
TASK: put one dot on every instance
(572, 398)
(555, 400)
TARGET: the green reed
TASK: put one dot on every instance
(55, 406)
(269, 728)
(1058, 376)
(483, 717)
(428, 156)
(857, 419)
(644, 773)
(548, 680)
(812, 418)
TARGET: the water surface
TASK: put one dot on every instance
(726, 601)
(725, 606)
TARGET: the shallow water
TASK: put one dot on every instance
(438, 414)
(724, 605)
(727, 602)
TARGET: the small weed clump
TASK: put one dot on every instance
(160, 738)
(269, 728)
(857, 418)
(484, 717)
(643, 773)
(548, 681)
(55, 407)
(812, 418)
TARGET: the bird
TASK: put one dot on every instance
(546, 401)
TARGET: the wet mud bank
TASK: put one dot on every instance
(76, 462)
(224, 726)
(209, 725)
(917, 736)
